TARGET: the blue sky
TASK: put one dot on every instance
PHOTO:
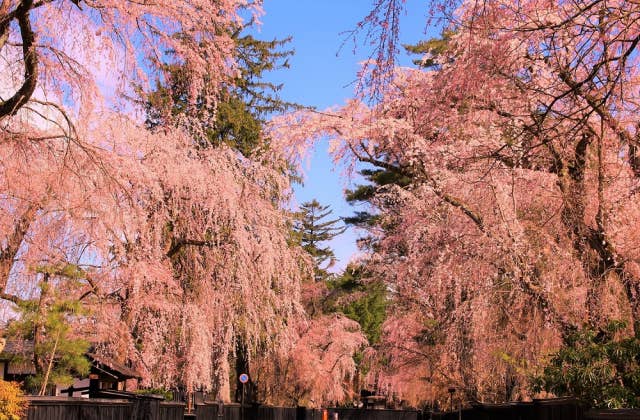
(322, 75)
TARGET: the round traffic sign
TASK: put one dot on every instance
(244, 378)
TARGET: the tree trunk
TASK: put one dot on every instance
(38, 328)
(13, 243)
(45, 379)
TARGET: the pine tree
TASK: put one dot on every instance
(313, 231)
(430, 49)
(378, 177)
(59, 354)
(366, 194)
(369, 307)
(242, 105)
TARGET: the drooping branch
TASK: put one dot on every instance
(571, 176)
(475, 217)
(634, 157)
(598, 107)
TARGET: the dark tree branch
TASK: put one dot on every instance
(22, 96)
(11, 298)
(468, 211)
(177, 245)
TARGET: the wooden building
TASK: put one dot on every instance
(16, 360)
(16, 364)
(107, 374)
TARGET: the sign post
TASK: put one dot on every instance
(243, 378)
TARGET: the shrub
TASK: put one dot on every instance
(166, 394)
(597, 366)
(13, 405)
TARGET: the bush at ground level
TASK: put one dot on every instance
(599, 366)
(12, 403)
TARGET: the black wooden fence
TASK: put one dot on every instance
(64, 408)
(359, 414)
(150, 408)
(612, 414)
(549, 409)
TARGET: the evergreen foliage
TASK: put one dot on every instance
(596, 366)
(377, 179)
(59, 355)
(370, 305)
(363, 301)
(313, 230)
(430, 50)
(242, 105)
